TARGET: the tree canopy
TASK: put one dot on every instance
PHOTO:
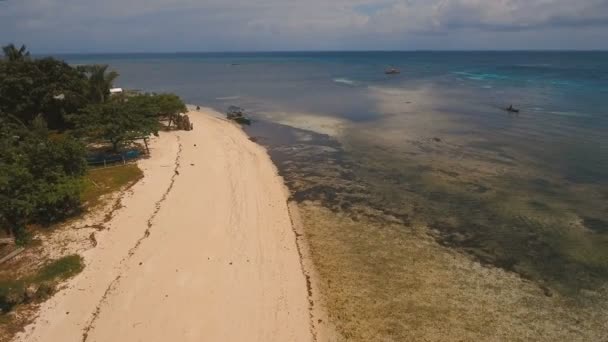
(100, 81)
(168, 104)
(49, 110)
(39, 175)
(13, 54)
(46, 87)
(118, 120)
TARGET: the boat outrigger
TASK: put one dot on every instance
(510, 109)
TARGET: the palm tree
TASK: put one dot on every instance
(13, 54)
(100, 82)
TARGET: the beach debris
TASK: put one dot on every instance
(546, 290)
(93, 239)
(237, 114)
(12, 255)
(7, 241)
(30, 291)
(435, 139)
(511, 109)
(392, 71)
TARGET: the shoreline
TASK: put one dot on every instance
(322, 328)
(233, 272)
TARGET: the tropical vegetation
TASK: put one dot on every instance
(49, 113)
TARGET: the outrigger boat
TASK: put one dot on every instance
(237, 114)
(510, 109)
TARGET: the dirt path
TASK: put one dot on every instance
(202, 251)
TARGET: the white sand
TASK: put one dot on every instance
(220, 262)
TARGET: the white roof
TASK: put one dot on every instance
(115, 90)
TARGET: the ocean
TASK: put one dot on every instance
(428, 157)
(561, 95)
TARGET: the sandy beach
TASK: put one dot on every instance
(202, 250)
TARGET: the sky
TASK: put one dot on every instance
(64, 26)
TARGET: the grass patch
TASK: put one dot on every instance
(102, 181)
(60, 269)
(39, 285)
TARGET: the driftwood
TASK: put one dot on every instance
(12, 255)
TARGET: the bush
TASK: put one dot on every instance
(40, 285)
(40, 177)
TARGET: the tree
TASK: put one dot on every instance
(118, 120)
(45, 86)
(41, 172)
(12, 54)
(168, 106)
(100, 81)
(39, 175)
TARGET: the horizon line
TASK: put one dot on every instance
(310, 51)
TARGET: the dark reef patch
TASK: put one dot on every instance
(509, 221)
(595, 224)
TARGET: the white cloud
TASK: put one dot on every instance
(288, 24)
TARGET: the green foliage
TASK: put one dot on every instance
(163, 106)
(43, 104)
(60, 269)
(15, 291)
(167, 106)
(118, 120)
(39, 176)
(43, 86)
(11, 52)
(102, 181)
(100, 81)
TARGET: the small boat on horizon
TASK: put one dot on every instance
(392, 71)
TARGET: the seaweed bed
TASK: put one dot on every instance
(548, 236)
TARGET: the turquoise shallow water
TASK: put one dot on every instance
(432, 145)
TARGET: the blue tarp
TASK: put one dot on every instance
(101, 158)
